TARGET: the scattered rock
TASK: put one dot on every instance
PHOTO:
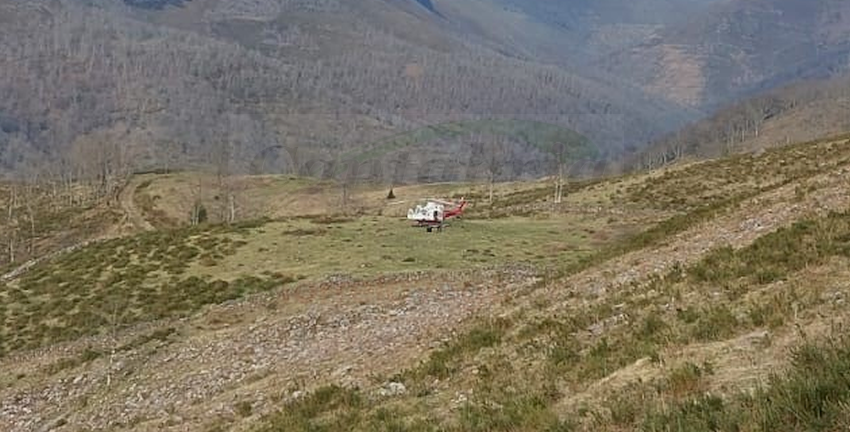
(460, 399)
(393, 389)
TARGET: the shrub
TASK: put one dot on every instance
(811, 396)
(652, 328)
(244, 409)
(304, 414)
(715, 323)
(686, 379)
(441, 363)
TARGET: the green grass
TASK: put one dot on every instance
(123, 281)
(776, 256)
(315, 247)
(174, 273)
(656, 234)
(702, 191)
(687, 379)
(330, 408)
(442, 363)
(715, 323)
(773, 257)
(525, 367)
(522, 202)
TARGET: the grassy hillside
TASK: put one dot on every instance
(40, 219)
(704, 296)
(697, 346)
(805, 111)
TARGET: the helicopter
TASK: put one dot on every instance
(435, 214)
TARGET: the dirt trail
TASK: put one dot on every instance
(25, 267)
(132, 214)
(132, 222)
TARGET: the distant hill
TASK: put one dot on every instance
(278, 86)
(800, 112)
(291, 85)
(740, 47)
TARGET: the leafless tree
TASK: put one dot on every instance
(198, 210)
(490, 152)
(11, 223)
(561, 154)
(348, 181)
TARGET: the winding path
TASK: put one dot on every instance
(133, 214)
(132, 217)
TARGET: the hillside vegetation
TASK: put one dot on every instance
(511, 148)
(291, 86)
(801, 112)
(704, 296)
(274, 86)
(695, 344)
(740, 47)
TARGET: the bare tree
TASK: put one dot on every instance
(348, 180)
(561, 156)
(30, 195)
(198, 211)
(204, 81)
(11, 223)
(101, 160)
(222, 161)
(490, 153)
(399, 165)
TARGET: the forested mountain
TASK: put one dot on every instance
(277, 85)
(292, 85)
(741, 47)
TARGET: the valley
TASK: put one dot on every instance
(204, 215)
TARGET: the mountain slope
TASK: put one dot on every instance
(290, 86)
(805, 111)
(183, 81)
(742, 46)
(741, 261)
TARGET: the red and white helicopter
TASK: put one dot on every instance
(436, 213)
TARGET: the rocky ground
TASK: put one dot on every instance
(738, 227)
(258, 352)
(237, 361)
